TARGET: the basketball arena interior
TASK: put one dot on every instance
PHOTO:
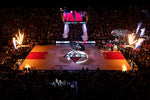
(85, 51)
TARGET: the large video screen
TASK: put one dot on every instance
(74, 14)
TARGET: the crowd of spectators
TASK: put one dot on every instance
(33, 22)
(90, 85)
(45, 24)
(140, 56)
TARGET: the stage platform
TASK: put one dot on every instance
(52, 57)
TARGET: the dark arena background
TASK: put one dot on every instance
(74, 50)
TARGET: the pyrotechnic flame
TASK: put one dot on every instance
(142, 32)
(19, 38)
(138, 27)
(131, 38)
(139, 42)
(27, 66)
(23, 46)
(14, 42)
(124, 68)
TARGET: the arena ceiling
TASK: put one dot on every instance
(79, 3)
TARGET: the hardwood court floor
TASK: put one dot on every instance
(51, 57)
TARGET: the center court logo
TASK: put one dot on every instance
(77, 56)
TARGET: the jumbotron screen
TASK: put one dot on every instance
(74, 15)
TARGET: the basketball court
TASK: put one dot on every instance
(52, 57)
